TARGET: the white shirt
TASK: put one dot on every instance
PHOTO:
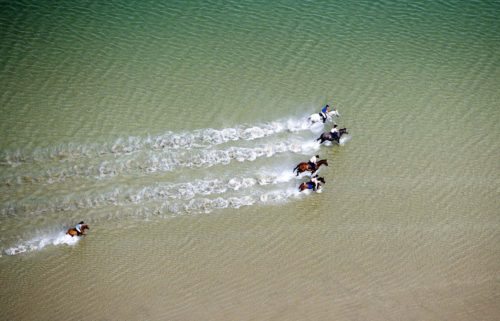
(313, 159)
(334, 130)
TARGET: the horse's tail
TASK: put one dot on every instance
(296, 168)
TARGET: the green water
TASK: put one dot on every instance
(172, 128)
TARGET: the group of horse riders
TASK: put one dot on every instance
(314, 183)
(334, 135)
(334, 131)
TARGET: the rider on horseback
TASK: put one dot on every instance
(324, 112)
(313, 162)
(78, 227)
(335, 133)
(315, 180)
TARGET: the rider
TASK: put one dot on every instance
(313, 162)
(79, 226)
(335, 133)
(314, 180)
(324, 113)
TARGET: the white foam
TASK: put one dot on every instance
(201, 138)
(40, 242)
(164, 161)
(309, 147)
(317, 128)
(344, 139)
(123, 196)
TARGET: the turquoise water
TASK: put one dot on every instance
(178, 124)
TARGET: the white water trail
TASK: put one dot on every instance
(166, 209)
(123, 196)
(201, 138)
(39, 242)
(140, 164)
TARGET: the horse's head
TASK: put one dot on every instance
(343, 131)
(85, 227)
(333, 112)
(323, 162)
(321, 179)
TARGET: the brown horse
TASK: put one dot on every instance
(73, 232)
(305, 166)
(310, 185)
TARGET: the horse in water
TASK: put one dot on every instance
(310, 184)
(305, 166)
(73, 232)
(330, 137)
(317, 117)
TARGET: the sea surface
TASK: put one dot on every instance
(172, 129)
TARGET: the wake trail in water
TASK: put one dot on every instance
(202, 138)
(162, 161)
(164, 209)
(128, 167)
(123, 196)
(41, 241)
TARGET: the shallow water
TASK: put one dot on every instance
(173, 131)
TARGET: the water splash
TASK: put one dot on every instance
(39, 242)
(123, 196)
(202, 138)
(345, 139)
(160, 161)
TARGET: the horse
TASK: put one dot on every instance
(73, 232)
(329, 137)
(310, 184)
(317, 117)
(305, 166)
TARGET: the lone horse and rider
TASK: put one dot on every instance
(78, 230)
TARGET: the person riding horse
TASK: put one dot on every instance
(333, 135)
(313, 163)
(78, 230)
(315, 180)
(324, 112)
(315, 184)
(308, 167)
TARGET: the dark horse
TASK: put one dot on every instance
(305, 166)
(73, 232)
(310, 184)
(329, 137)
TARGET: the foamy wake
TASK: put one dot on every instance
(202, 138)
(136, 157)
(344, 139)
(121, 196)
(171, 208)
(202, 205)
(162, 161)
(41, 242)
